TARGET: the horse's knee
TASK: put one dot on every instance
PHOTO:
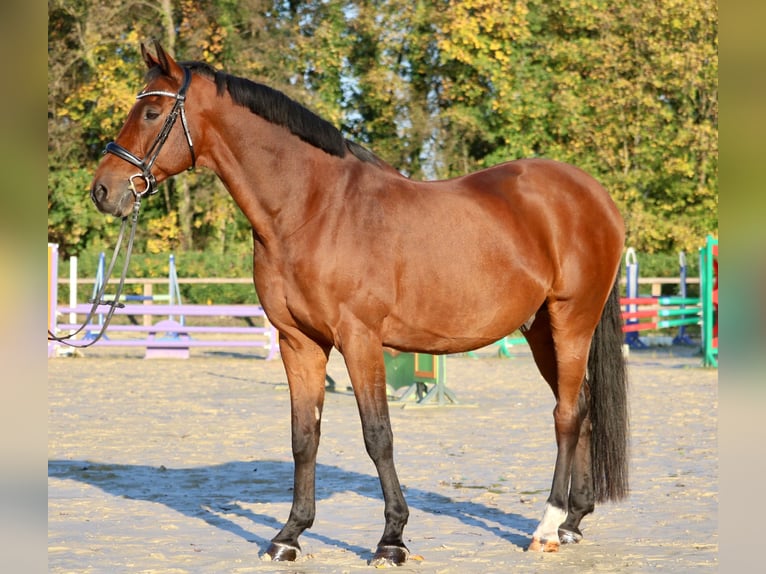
(569, 416)
(305, 441)
(567, 422)
(379, 441)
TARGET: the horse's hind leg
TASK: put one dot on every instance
(305, 363)
(581, 493)
(562, 362)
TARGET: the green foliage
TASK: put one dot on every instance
(667, 264)
(189, 264)
(71, 221)
(627, 91)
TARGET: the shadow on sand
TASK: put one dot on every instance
(215, 494)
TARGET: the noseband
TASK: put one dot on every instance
(145, 165)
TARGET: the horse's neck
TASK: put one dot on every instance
(270, 173)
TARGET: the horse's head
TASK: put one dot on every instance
(154, 143)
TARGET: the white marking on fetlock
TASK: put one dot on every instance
(280, 551)
(548, 529)
(387, 555)
(569, 537)
(316, 413)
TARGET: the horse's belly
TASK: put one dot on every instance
(458, 326)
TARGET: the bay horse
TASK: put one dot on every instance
(349, 253)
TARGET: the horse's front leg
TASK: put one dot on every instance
(305, 364)
(363, 353)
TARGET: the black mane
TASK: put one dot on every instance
(275, 107)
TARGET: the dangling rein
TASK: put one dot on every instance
(98, 300)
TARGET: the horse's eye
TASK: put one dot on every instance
(151, 114)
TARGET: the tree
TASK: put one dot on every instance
(437, 88)
(89, 89)
(625, 91)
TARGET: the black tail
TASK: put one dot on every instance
(608, 384)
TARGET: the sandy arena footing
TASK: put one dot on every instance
(179, 466)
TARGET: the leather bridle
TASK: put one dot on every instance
(145, 165)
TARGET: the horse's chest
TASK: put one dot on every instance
(293, 297)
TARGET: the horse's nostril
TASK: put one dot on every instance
(98, 193)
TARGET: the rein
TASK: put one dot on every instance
(150, 188)
(98, 300)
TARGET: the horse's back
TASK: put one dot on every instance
(560, 207)
(551, 182)
(487, 249)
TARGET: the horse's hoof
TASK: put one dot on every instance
(282, 552)
(538, 545)
(569, 536)
(386, 556)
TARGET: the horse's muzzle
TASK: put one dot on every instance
(121, 207)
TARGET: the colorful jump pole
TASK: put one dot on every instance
(664, 312)
(174, 292)
(73, 289)
(100, 270)
(709, 296)
(682, 338)
(505, 344)
(631, 292)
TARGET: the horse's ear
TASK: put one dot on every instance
(163, 60)
(149, 59)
